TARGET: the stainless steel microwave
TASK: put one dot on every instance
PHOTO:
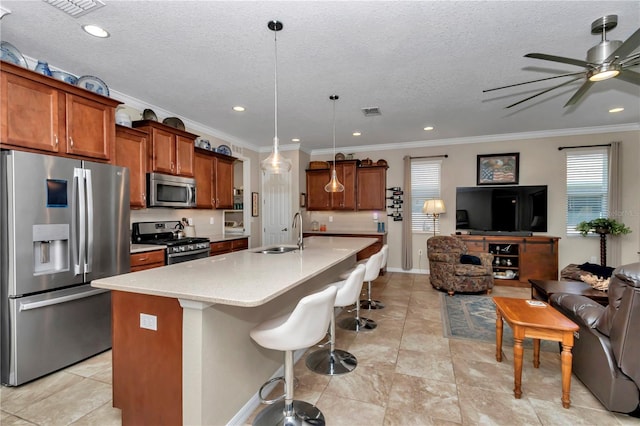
(170, 191)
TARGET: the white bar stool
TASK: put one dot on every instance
(300, 329)
(372, 272)
(334, 361)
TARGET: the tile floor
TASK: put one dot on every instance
(407, 374)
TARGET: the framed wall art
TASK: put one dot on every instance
(498, 169)
(254, 204)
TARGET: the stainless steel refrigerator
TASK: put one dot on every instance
(64, 222)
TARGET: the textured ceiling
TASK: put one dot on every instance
(421, 62)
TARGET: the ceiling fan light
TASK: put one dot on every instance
(605, 72)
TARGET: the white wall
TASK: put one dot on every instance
(541, 163)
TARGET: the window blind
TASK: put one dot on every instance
(587, 186)
(425, 184)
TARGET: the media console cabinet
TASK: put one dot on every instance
(533, 257)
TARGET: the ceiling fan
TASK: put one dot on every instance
(608, 59)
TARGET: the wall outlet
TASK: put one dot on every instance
(330, 218)
(594, 259)
(419, 252)
(150, 322)
(211, 221)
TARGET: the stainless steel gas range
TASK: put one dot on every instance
(169, 233)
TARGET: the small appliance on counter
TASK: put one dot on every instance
(180, 248)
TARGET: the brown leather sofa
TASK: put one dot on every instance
(454, 269)
(606, 352)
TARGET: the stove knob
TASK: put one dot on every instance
(191, 247)
(183, 248)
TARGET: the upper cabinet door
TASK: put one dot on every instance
(371, 187)
(345, 200)
(317, 197)
(204, 181)
(90, 128)
(131, 152)
(163, 151)
(184, 156)
(224, 183)
(31, 115)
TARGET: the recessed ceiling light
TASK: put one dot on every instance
(428, 128)
(618, 109)
(295, 140)
(96, 31)
(357, 134)
(238, 108)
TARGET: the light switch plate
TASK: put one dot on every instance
(150, 322)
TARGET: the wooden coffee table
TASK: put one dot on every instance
(536, 322)
(543, 289)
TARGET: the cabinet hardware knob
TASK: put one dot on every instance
(71, 141)
(56, 137)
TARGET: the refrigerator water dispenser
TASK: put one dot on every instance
(50, 248)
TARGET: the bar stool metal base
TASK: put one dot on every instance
(331, 363)
(357, 324)
(303, 414)
(371, 304)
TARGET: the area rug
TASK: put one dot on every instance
(473, 317)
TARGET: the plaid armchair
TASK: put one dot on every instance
(448, 273)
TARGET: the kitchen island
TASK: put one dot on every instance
(181, 346)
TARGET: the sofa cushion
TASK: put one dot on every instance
(578, 308)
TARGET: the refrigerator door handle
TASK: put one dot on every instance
(79, 223)
(41, 304)
(89, 235)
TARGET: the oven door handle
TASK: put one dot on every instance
(189, 253)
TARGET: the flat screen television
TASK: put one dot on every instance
(504, 209)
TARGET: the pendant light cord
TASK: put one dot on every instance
(275, 43)
(334, 97)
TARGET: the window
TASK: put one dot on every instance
(587, 186)
(425, 184)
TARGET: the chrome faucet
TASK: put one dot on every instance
(297, 223)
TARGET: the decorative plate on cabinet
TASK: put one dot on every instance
(9, 53)
(224, 149)
(174, 122)
(93, 84)
(148, 114)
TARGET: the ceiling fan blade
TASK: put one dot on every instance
(627, 47)
(532, 81)
(544, 91)
(579, 93)
(561, 59)
(629, 76)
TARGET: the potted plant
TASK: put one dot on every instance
(602, 226)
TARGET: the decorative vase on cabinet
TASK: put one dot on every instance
(42, 68)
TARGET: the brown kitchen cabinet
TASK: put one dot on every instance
(317, 197)
(42, 114)
(147, 260)
(534, 257)
(214, 179)
(228, 246)
(131, 152)
(170, 150)
(371, 187)
(346, 172)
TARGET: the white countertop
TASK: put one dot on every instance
(242, 278)
(348, 232)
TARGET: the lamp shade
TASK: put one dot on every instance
(434, 207)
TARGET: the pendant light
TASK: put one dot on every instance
(334, 184)
(275, 163)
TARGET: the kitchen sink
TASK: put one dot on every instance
(277, 250)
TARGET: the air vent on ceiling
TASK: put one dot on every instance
(76, 8)
(370, 112)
